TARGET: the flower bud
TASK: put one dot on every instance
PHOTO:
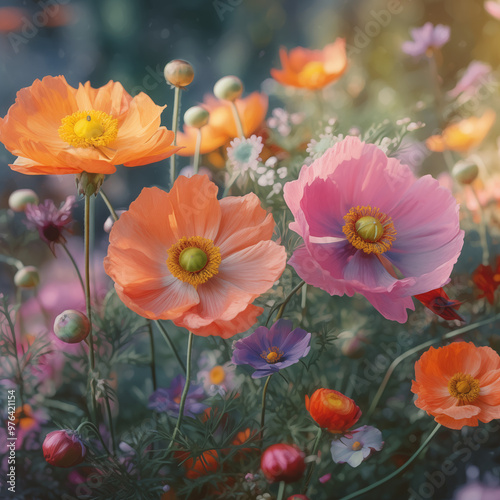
(110, 221)
(71, 326)
(228, 88)
(297, 496)
(27, 277)
(22, 197)
(353, 344)
(63, 449)
(179, 73)
(88, 184)
(332, 410)
(283, 462)
(196, 116)
(465, 171)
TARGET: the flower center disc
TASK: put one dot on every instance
(369, 229)
(84, 129)
(217, 375)
(272, 355)
(194, 260)
(356, 446)
(464, 387)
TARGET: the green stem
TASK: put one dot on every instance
(263, 411)
(483, 231)
(396, 472)
(68, 253)
(281, 491)
(185, 390)
(110, 423)
(419, 347)
(152, 351)
(237, 120)
(108, 204)
(283, 304)
(12, 261)
(170, 343)
(89, 307)
(312, 464)
(196, 162)
(231, 181)
(175, 122)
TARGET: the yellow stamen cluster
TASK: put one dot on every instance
(356, 446)
(464, 387)
(84, 129)
(198, 277)
(272, 355)
(217, 375)
(333, 402)
(369, 229)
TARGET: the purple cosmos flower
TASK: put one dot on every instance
(50, 221)
(475, 75)
(270, 350)
(168, 400)
(356, 446)
(425, 39)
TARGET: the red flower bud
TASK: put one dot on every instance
(63, 449)
(283, 462)
(332, 410)
(298, 496)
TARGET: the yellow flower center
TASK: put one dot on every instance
(356, 446)
(84, 129)
(313, 72)
(333, 401)
(272, 355)
(217, 375)
(369, 229)
(194, 260)
(464, 387)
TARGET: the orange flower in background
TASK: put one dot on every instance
(54, 128)
(11, 19)
(221, 127)
(458, 384)
(190, 258)
(312, 69)
(206, 463)
(332, 410)
(463, 135)
(487, 280)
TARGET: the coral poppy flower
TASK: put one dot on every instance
(312, 69)
(463, 135)
(54, 128)
(332, 410)
(221, 127)
(458, 384)
(11, 19)
(487, 280)
(370, 227)
(199, 261)
(439, 303)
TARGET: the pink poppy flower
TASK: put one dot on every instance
(493, 8)
(370, 227)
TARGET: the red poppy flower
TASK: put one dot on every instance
(439, 303)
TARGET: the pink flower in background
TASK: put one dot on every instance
(493, 8)
(370, 227)
(426, 39)
(475, 75)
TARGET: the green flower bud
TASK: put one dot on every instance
(22, 197)
(71, 326)
(465, 171)
(196, 116)
(179, 73)
(88, 183)
(27, 277)
(228, 88)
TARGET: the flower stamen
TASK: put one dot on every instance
(464, 387)
(369, 229)
(272, 355)
(84, 129)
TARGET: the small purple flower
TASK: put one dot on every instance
(50, 221)
(168, 400)
(356, 446)
(475, 75)
(426, 39)
(270, 350)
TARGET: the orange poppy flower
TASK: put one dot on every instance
(463, 135)
(11, 19)
(332, 410)
(199, 262)
(206, 463)
(312, 69)
(54, 128)
(458, 384)
(221, 128)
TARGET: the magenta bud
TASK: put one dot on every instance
(283, 462)
(71, 326)
(63, 449)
